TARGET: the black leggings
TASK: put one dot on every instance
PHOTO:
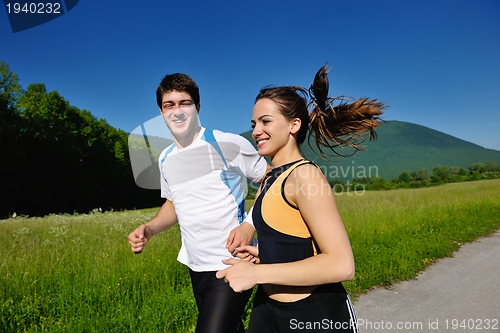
(327, 309)
(220, 308)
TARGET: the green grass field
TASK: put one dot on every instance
(64, 273)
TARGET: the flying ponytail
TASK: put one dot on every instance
(343, 125)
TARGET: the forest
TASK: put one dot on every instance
(56, 158)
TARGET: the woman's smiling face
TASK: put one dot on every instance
(271, 130)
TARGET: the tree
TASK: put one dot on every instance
(9, 89)
(441, 174)
(422, 174)
(56, 158)
(479, 167)
(404, 177)
(11, 129)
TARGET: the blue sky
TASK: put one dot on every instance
(435, 63)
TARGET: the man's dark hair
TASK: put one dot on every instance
(178, 82)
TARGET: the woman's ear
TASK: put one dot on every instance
(295, 126)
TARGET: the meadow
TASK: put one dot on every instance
(76, 273)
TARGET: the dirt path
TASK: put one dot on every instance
(459, 294)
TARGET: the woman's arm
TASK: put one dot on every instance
(308, 189)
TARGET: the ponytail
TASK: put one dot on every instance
(343, 125)
(333, 127)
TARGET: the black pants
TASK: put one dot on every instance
(220, 308)
(327, 309)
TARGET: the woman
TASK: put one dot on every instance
(304, 250)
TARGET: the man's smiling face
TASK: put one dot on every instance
(180, 114)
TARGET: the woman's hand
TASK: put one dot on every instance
(248, 253)
(240, 275)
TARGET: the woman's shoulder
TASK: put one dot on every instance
(306, 170)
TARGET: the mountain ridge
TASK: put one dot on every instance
(401, 146)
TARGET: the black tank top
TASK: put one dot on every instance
(282, 233)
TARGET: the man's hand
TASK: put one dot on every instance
(241, 235)
(139, 238)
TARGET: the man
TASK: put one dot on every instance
(202, 179)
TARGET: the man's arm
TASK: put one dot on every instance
(164, 219)
(241, 235)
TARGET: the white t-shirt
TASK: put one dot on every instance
(207, 210)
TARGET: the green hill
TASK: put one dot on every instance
(402, 146)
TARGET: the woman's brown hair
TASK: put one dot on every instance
(342, 126)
